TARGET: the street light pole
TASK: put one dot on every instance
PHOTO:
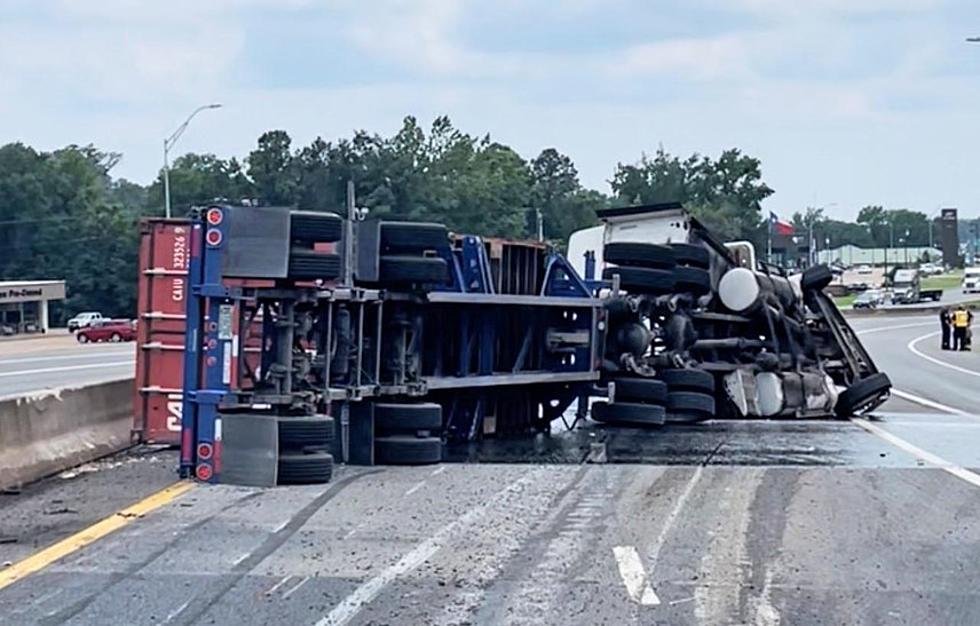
(168, 144)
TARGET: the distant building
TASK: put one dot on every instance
(24, 303)
(856, 255)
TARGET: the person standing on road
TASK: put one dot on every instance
(961, 324)
(944, 321)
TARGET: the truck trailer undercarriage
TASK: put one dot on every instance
(311, 339)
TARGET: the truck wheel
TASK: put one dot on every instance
(390, 418)
(862, 394)
(639, 280)
(311, 265)
(305, 469)
(690, 403)
(628, 413)
(316, 431)
(691, 255)
(315, 227)
(698, 381)
(640, 390)
(816, 278)
(413, 237)
(407, 450)
(413, 269)
(692, 279)
(638, 255)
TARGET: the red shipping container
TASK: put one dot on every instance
(161, 301)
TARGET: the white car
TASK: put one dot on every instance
(83, 320)
(863, 269)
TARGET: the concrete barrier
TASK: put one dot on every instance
(49, 431)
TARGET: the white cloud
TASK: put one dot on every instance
(725, 57)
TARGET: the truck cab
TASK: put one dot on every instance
(971, 280)
(905, 286)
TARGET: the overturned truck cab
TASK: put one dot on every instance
(699, 329)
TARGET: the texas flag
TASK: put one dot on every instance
(778, 226)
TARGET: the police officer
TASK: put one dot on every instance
(944, 322)
(961, 324)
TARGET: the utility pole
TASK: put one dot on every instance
(168, 144)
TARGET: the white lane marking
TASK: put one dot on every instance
(417, 486)
(276, 586)
(241, 558)
(634, 576)
(917, 352)
(919, 453)
(67, 357)
(879, 329)
(929, 403)
(441, 469)
(176, 612)
(298, 585)
(369, 590)
(70, 368)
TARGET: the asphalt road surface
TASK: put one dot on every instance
(52, 363)
(857, 522)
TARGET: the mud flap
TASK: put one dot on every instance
(250, 450)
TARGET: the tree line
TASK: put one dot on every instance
(63, 215)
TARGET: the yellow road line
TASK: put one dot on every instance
(93, 533)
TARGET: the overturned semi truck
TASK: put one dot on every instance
(310, 339)
(699, 330)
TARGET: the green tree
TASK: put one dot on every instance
(725, 193)
(270, 167)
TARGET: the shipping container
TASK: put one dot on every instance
(161, 301)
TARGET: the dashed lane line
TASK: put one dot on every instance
(40, 560)
(634, 576)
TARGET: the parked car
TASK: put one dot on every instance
(107, 330)
(869, 299)
(83, 320)
(863, 269)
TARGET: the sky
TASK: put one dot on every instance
(845, 102)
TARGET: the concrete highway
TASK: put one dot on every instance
(36, 364)
(854, 522)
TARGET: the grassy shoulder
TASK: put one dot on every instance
(943, 281)
(845, 301)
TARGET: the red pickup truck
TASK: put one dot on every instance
(107, 330)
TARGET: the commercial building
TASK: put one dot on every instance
(24, 303)
(856, 255)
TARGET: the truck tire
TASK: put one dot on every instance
(690, 255)
(634, 254)
(690, 403)
(692, 279)
(816, 278)
(394, 418)
(409, 237)
(638, 280)
(413, 269)
(642, 390)
(698, 381)
(310, 265)
(407, 450)
(315, 227)
(316, 431)
(862, 394)
(628, 413)
(305, 469)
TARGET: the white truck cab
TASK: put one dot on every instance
(971, 279)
